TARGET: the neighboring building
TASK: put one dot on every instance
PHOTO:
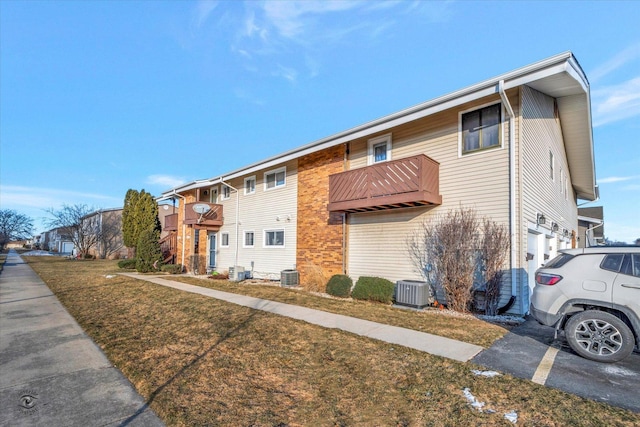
(517, 148)
(107, 233)
(59, 240)
(590, 226)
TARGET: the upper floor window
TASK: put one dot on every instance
(275, 178)
(226, 192)
(248, 239)
(481, 128)
(250, 185)
(551, 166)
(379, 149)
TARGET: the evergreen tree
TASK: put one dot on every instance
(128, 219)
(148, 251)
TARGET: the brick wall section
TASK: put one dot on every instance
(319, 234)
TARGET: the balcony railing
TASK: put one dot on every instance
(408, 182)
(171, 222)
(211, 219)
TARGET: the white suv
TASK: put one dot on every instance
(594, 295)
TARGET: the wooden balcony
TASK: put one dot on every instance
(409, 182)
(210, 220)
(171, 222)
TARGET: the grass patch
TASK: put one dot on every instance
(199, 361)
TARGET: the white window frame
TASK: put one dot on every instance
(222, 236)
(275, 172)
(244, 239)
(552, 166)
(461, 152)
(379, 140)
(225, 194)
(264, 242)
(248, 179)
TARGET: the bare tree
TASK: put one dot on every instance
(446, 249)
(14, 226)
(83, 234)
(109, 234)
(494, 249)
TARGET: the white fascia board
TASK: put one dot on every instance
(590, 219)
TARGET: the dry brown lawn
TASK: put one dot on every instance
(199, 361)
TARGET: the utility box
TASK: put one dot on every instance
(413, 293)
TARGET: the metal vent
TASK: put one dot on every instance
(289, 278)
(413, 293)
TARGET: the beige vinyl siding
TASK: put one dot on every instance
(273, 209)
(377, 241)
(542, 133)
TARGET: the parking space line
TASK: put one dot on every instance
(541, 374)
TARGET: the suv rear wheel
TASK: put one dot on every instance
(599, 336)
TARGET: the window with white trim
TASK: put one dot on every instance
(224, 240)
(275, 178)
(379, 149)
(248, 239)
(551, 166)
(273, 238)
(481, 129)
(250, 185)
(226, 192)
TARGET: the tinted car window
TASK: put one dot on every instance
(612, 262)
(631, 265)
(558, 261)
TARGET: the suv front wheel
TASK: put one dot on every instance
(599, 336)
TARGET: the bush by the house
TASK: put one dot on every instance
(127, 264)
(339, 285)
(373, 289)
(172, 268)
(148, 252)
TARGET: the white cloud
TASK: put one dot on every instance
(621, 59)
(612, 179)
(202, 11)
(165, 180)
(618, 102)
(45, 198)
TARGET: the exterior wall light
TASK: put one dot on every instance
(540, 219)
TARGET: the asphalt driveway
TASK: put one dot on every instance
(530, 352)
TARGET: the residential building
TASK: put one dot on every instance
(517, 148)
(106, 236)
(590, 226)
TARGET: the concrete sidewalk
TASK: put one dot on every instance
(51, 372)
(432, 344)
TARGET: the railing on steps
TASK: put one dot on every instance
(169, 247)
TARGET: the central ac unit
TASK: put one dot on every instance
(413, 293)
(236, 273)
(289, 278)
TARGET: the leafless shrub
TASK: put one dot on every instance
(494, 249)
(445, 250)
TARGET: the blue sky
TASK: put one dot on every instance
(101, 96)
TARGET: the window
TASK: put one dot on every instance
(226, 192)
(274, 179)
(274, 238)
(612, 262)
(250, 185)
(379, 149)
(248, 239)
(551, 166)
(481, 128)
(224, 240)
(561, 181)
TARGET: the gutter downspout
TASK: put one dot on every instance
(237, 218)
(512, 187)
